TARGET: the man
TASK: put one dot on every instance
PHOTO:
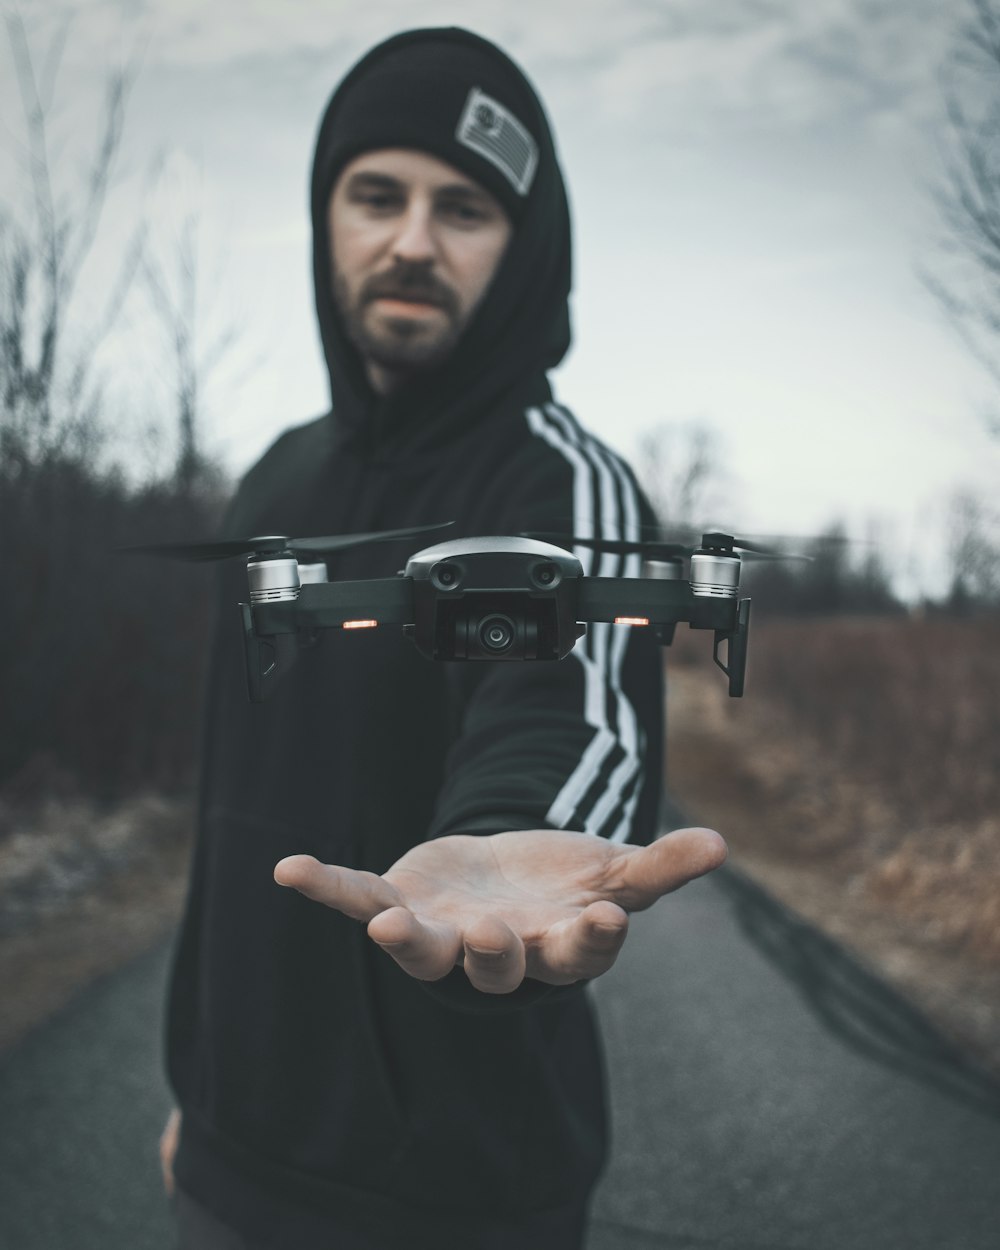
(436, 1080)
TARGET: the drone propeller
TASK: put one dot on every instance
(653, 549)
(751, 549)
(614, 546)
(273, 544)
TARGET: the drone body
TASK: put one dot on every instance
(515, 598)
(495, 599)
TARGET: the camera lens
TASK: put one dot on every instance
(496, 633)
(446, 576)
(545, 575)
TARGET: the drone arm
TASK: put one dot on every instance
(272, 632)
(614, 598)
(386, 600)
(661, 603)
(332, 605)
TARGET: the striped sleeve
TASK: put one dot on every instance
(574, 744)
(601, 792)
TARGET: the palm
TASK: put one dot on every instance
(548, 904)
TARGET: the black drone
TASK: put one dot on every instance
(497, 598)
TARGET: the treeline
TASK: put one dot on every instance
(829, 579)
(101, 654)
(682, 468)
(837, 577)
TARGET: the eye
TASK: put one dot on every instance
(464, 212)
(377, 200)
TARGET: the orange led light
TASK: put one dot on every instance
(631, 620)
(360, 624)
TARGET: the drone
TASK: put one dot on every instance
(508, 598)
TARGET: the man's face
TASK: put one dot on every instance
(415, 245)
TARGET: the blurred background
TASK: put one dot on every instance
(787, 309)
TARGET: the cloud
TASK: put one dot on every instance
(686, 67)
(781, 67)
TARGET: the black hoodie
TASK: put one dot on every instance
(322, 1088)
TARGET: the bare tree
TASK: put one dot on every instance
(174, 292)
(100, 659)
(969, 196)
(679, 467)
(49, 388)
(974, 551)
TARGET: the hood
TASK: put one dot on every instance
(520, 329)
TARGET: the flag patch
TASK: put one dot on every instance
(495, 133)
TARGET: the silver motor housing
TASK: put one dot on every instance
(273, 579)
(715, 576)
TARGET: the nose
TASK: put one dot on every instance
(415, 238)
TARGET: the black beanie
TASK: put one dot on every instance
(463, 102)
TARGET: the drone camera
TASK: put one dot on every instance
(497, 633)
(510, 627)
(494, 599)
(446, 575)
(546, 575)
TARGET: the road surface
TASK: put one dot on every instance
(766, 1095)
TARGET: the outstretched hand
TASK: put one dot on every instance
(544, 903)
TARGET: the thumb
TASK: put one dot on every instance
(668, 863)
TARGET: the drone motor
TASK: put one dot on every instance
(715, 567)
(273, 578)
(715, 575)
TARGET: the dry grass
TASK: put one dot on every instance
(879, 742)
(910, 705)
(83, 889)
(860, 781)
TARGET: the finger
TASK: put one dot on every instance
(427, 951)
(583, 947)
(671, 861)
(360, 895)
(168, 1148)
(494, 956)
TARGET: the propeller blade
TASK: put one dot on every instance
(339, 542)
(780, 542)
(272, 544)
(616, 546)
(667, 551)
(564, 525)
(201, 552)
(752, 549)
(766, 557)
(738, 544)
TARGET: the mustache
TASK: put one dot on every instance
(410, 282)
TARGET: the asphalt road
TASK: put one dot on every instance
(766, 1093)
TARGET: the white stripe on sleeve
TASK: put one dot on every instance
(602, 658)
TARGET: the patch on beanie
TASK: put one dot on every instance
(495, 133)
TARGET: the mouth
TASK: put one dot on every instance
(406, 306)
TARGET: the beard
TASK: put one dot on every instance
(402, 345)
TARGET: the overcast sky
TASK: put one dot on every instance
(749, 181)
